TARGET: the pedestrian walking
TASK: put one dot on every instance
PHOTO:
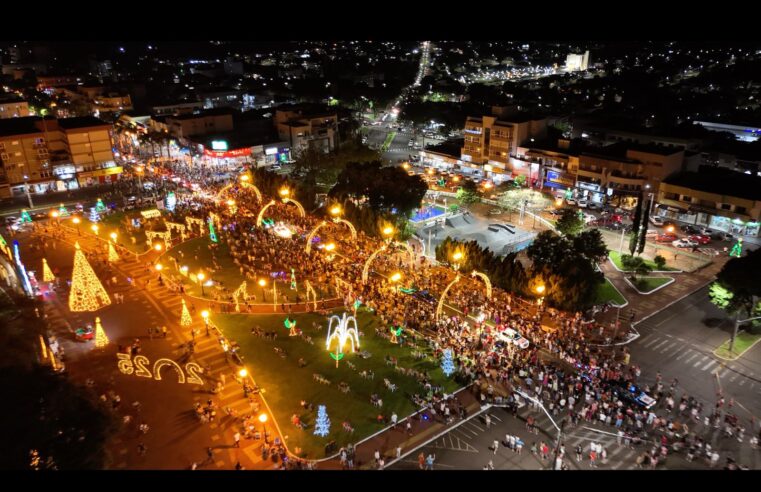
(429, 461)
(209, 454)
(487, 420)
(398, 452)
(495, 445)
(141, 449)
(421, 460)
(236, 437)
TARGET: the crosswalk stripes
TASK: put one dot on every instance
(686, 352)
(700, 361)
(669, 347)
(691, 357)
(660, 345)
(654, 340)
(710, 363)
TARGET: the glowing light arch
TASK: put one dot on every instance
(444, 295)
(366, 268)
(486, 281)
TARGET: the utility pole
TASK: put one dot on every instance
(559, 429)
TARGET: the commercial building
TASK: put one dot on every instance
(12, 106)
(240, 148)
(613, 173)
(743, 133)
(576, 62)
(206, 122)
(713, 197)
(306, 126)
(39, 155)
(185, 107)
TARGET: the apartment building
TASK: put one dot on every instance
(305, 126)
(714, 197)
(493, 142)
(12, 106)
(48, 154)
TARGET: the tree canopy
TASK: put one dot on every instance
(570, 222)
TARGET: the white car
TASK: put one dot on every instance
(508, 335)
(583, 203)
(589, 218)
(656, 220)
(684, 243)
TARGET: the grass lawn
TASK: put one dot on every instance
(197, 256)
(607, 293)
(743, 342)
(285, 384)
(616, 258)
(387, 143)
(647, 284)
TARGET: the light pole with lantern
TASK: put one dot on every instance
(205, 316)
(201, 278)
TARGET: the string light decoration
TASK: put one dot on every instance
(87, 293)
(99, 206)
(112, 255)
(212, 232)
(101, 340)
(63, 211)
(185, 319)
(47, 273)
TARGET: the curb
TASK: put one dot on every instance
(626, 302)
(651, 271)
(435, 437)
(738, 355)
(670, 304)
(652, 291)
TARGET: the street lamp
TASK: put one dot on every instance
(335, 210)
(201, 278)
(388, 232)
(263, 420)
(539, 289)
(456, 257)
(284, 192)
(263, 283)
(95, 229)
(559, 429)
(159, 267)
(738, 322)
(157, 246)
(243, 373)
(205, 316)
(113, 236)
(77, 220)
(395, 278)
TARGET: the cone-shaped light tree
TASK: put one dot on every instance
(47, 273)
(185, 319)
(87, 293)
(101, 340)
(112, 255)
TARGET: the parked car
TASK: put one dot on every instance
(593, 206)
(651, 234)
(690, 229)
(583, 203)
(656, 220)
(508, 335)
(700, 239)
(571, 201)
(684, 243)
(665, 238)
(720, 236)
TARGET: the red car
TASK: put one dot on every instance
(700, 239)
(665, 238)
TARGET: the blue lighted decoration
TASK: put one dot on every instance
(171, 201)
(22, 269)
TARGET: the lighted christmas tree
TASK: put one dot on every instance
(395, 332)
(94, 215)
(25, 217)
(87, 293)
(47, 273)
(212, 232)
(737, 249)
(185, 319)
(322, 424)
(447, 364)
(171, 201)
(63, 211)
(99, 206)
(112, 255)
(101, 340)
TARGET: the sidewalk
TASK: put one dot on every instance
(424, 427)
(644, 305)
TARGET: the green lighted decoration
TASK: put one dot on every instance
(25, 217)
(441, 182)
(293, 279)
(395, 332)
(63, 211)
(212, 232)
(357, 304)
(408, 290)
(568, 194)
(269, 222)
(737, 249)
(99, 206)
(291, 325)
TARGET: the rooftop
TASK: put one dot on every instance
(81, 122)
(18, 126)
(720, 181)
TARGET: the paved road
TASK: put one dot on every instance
(679, 342)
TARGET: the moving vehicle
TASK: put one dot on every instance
(700, 239)
(508, 335)
(665, 238)
(656, 220)
(684, 243)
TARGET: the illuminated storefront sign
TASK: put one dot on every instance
(218, 145)
(228, 154)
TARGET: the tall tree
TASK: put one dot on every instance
(643, 230)
(635, 225)
(569, 223)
